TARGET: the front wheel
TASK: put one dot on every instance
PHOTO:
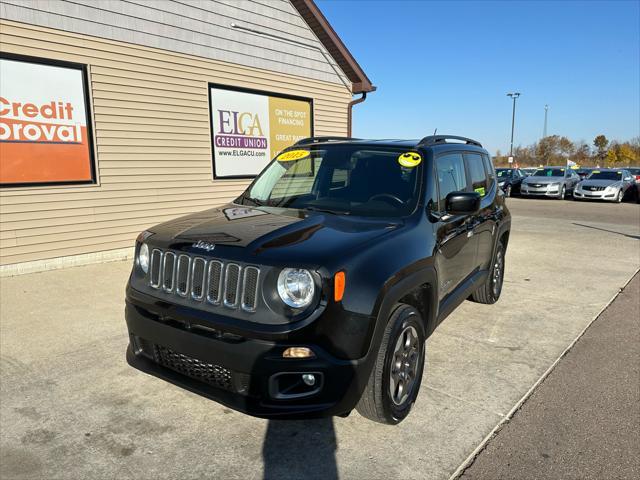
(395, 379)
(507, 191)
(563, 193)
(620, 196)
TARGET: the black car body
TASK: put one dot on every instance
(209, 313)
(509, 180)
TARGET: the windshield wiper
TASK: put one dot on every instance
(254, 201)
(326, 210)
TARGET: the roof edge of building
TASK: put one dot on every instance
(332, 42)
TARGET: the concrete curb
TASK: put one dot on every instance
(470, 459)
(58, 263)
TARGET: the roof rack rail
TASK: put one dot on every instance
(306, 141)
(435, 139)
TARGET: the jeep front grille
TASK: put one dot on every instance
(213, 281)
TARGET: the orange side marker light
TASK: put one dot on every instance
(339, 282)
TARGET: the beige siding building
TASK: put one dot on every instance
(149, 155)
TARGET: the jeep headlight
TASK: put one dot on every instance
(143, 251)
(143, 257)
(296, 287)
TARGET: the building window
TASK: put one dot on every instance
(45, 126)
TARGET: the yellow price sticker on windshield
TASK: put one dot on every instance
(596, 171)
(293, 155)
(410, 159)
(480, 190)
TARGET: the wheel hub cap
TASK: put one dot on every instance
(498, 271)
(404, 365)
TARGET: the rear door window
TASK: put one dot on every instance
(491, 172)
(477, 174)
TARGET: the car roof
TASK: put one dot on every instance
(391, 142)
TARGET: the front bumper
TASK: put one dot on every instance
(553, 192)
(597, 195)
(244, 373)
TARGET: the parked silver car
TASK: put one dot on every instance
(605, 184)
(553, 182)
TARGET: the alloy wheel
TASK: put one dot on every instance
(497, 274)
(404, 365)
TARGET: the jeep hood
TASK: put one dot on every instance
(269, 234)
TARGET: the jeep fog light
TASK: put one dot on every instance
(296, 287)
(298, 352)
(143, 257)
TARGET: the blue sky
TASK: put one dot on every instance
(450, 64)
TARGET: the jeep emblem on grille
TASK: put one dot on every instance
(204, 245)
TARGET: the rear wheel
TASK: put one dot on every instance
(490, 291)
(395, 379)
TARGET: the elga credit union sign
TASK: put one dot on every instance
(44, 136)
(248, 129)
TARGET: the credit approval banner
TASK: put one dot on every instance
(250, 128)
(44, 137)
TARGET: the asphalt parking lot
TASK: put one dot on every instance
(72, 408)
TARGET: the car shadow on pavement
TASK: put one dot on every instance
(635, 237)
(300, 449)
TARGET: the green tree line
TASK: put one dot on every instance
(557, 150)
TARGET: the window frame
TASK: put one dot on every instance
(88, 107)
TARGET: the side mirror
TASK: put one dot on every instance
(462, 203)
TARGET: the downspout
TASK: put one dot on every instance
(350, 109)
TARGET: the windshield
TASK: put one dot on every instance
(357, 180)
(504, 172)
(549, 172)
(596, 175)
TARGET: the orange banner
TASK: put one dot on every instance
(43, 125)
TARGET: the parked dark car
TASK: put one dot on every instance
(555, 182)
(583, 173)
(635, 171)
(606, 184)
(509, 180)
(314, 291)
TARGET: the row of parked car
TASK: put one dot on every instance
(608, 184)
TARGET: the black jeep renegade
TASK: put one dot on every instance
(314, 291)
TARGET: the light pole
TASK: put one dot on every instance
(513, 95)
(544, 130)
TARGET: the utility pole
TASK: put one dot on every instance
(544, 130)
(513, 95)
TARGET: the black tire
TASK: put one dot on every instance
(377, 401)
(620, 196)
(490, 292)
(507, 192)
